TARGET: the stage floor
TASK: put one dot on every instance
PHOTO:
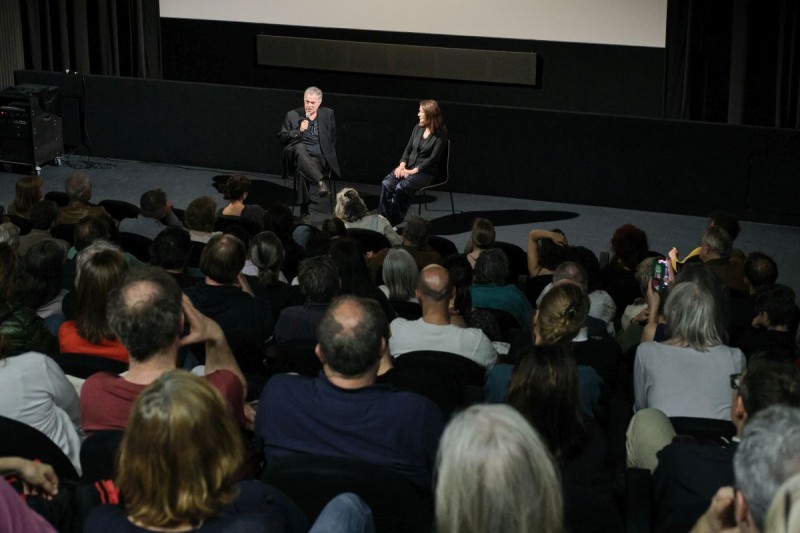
(589, 226)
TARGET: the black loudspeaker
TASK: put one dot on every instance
(30, 125)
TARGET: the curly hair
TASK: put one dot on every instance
(349, 205)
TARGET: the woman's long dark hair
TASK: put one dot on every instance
(433, 116)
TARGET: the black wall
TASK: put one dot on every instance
(581, 158)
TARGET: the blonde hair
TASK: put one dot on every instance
(494, 473)
(561, 314)
(180, 455)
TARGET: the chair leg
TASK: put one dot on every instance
(452, 204)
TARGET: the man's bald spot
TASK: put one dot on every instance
(348, 314)
(140, 292)
(434, 282)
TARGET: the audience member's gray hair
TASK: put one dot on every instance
(784, 513)
(718, 240)
(644, 273)
(494, 473)
(400, 274)
(90, 251)
(574, 272)
(76, 185)
(491, 267)
(694, 316)
(316, 91)
(349, 205)
(768, 455)
(9, 233)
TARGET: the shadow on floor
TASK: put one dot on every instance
(462, 222)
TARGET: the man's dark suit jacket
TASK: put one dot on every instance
(290, 133)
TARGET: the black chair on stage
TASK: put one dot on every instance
(311, 481)
(369, 240)
(289, 172)
(21, 440)
(120, 209)
(444, 180)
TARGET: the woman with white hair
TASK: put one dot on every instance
(688, 374)
(352, 210)
(494, 473)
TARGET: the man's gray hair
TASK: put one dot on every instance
(693, 314)
(572, 271)
(76, 185)
(9, 233)
(316, 91)
(768, 455)
(718, 240)
(494, 473)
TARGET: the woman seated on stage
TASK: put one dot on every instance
(352, 210)
(419, 165)
(236, 190)
(179, 467)
(100, 268)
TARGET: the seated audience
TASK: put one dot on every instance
(15, 514)
(155, 214)
(22, 328)
(78, 187)
(34, 391)
(435, 330)
(494, 473)
(775, 324)
(629, 247)
(171, 251)
(544, 389)
(415, 242)
(374, 423)
(481, 238)
(236, 190)
(238, 313)
(266, 253)
(354, 276)
(280, 221)
(490, 291)
(351, 209)
(319, 284)
(461, 303)
(766, 457)
(687, 374)
(720, 219)
(38, 281)
(200, 218)
(27, 192)
(148, 313)
(400, 275)
(546, 250)
(42, 216)
(715, 253)
(101, 266)
(191, 482)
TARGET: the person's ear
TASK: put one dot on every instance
(319, 354)
(738, 408)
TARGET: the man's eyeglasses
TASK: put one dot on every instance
(736, 381)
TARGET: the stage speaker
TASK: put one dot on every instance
(30, 125)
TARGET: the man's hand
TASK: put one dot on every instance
(201, 328)
(303, 125)
(719, 517)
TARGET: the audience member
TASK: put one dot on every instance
(760, 270)
(319, 284)
(266, 253)
(415, 241)
(148, 313)
(435, 330)
(494, 473)
(602, 307)
(490, 291)
(38, 281)
(400, 276)
(27, 192)
(101, 266)
(399, 430)
(171, 250)
(686, 375)
(720, 219)
(200, 218)
(15, 514)
(546, 250)
(351, 209)
(9, 234)
(42, 216)
(22, 328)
(629, 247)
(237, 188)
(354, 275)
(774, 326)
(461, 303)
(155, 214)
(481, 238)
(78, 187)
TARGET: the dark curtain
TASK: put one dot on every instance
(108, 37)
(736, 62)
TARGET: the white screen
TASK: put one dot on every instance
(621, 22)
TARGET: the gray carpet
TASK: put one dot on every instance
(589, 226)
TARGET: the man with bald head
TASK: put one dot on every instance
(435, 331)
(342, 412)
